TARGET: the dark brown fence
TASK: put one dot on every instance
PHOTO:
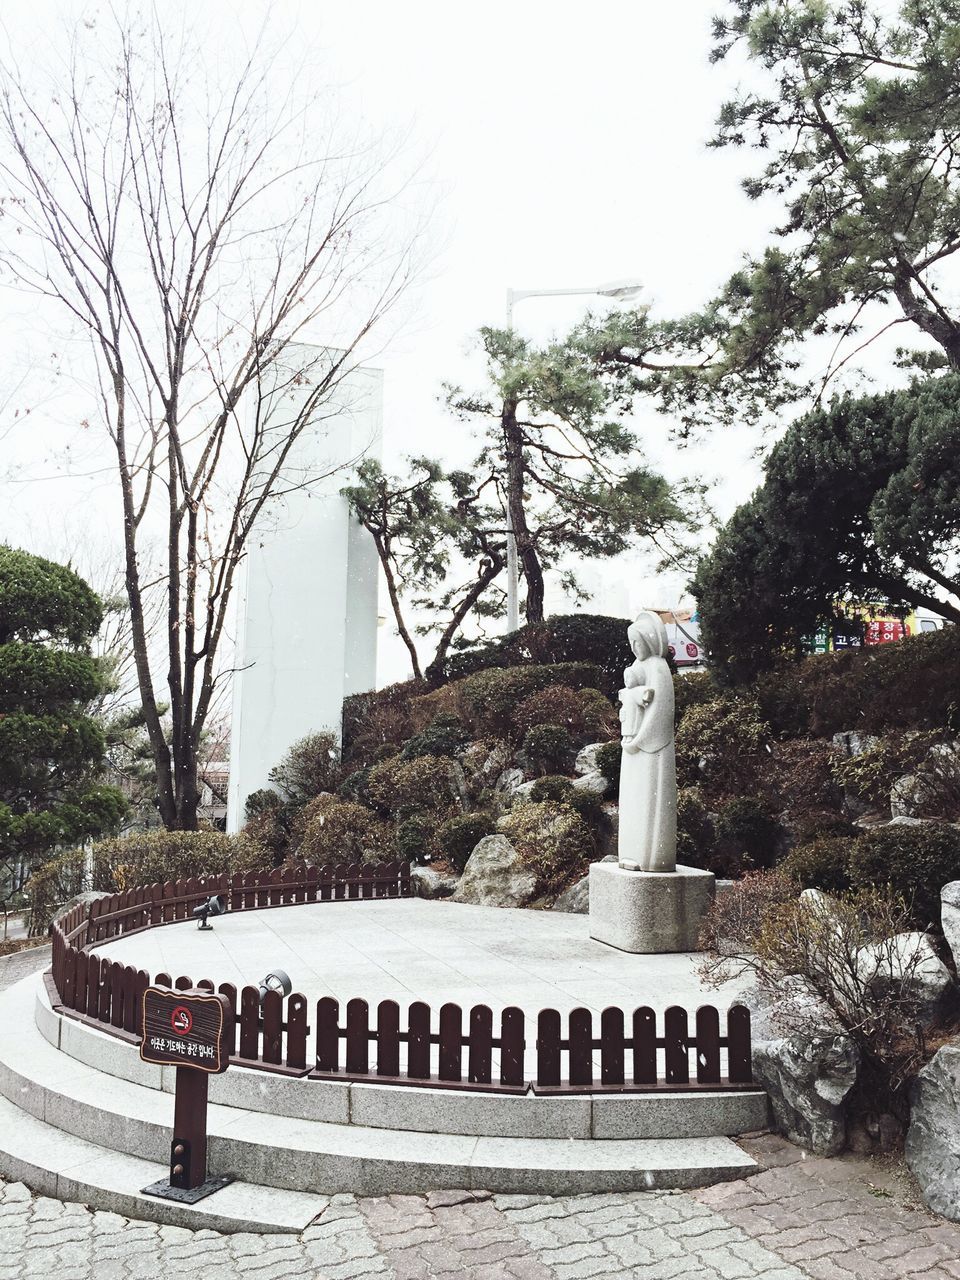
(456, 1049)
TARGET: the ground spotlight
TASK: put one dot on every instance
(276, 980)
(214, 906)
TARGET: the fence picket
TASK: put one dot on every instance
(548, 1048)
(93, 986)
(611, 1046)
(129, 998)
(675, 1046)
(250, 1023)
(297, 1031)
(581, 1046)
(328, 1034)
(272, 1050)
(358, 1037)
(388, 1038)
(80, 982)
(418, 1041)
(511, 1046)
(739, 1069)
(644, 1046)
(707, 1023)
(230, 1029)
(69, 977)
(450, 1055)
(480, 1052)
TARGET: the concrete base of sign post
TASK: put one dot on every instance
(648, 912)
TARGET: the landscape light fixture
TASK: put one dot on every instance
(214, 906)
(276, 980)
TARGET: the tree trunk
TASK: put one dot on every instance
(526, 550)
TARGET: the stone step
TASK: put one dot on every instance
(57, 1164)
(663, 1114)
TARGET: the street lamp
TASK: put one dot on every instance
(623, 291)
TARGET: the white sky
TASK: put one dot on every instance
(566, 147)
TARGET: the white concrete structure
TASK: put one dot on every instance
(307, 599)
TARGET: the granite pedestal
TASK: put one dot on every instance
(648, 911)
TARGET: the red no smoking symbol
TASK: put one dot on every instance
(181, 1020)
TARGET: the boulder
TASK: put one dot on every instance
(576, 899)
(806, 1063)
(508, 782)
(853, 743)
(907, 963)
(594, 783)
(907, 797)
(482, 763)
(807, 1079)
(495, 876)
(427, 883)
(950, 918)
(932, 1148)
(586, 761)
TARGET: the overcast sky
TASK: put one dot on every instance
(563, 145)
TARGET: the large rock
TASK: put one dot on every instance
(594, 783)
(933, 1140)
(853, 743)
(505, 788)
(909, 968)
(922, 792)
(482, 763)
(576, 899)
(950, 918)
(428, 883)
(806, 1063)
(495, 876)
(586, 761)
(807, 1079)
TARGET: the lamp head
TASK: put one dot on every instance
(276, 980)
(622, 290)
(214, 906)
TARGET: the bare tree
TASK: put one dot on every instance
(198, 233)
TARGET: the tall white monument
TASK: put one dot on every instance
(307, 599)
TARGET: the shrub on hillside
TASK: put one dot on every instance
(141, 858)
(578, 637)
(748, 827)
(548, 747)
(310, 766)
(414, 838)
(914, 861)
(486, 701)
(723, 744)
(552, 839)
(376, 718)
(338, 831)
(459, 836)
(800, 776)
(400, 788)
(561, 790)
(443, 736)
(557, 704)
(912, 684)
(695, 834)
(693, 690)
(870, 775)
(820, 864)
(609, 759)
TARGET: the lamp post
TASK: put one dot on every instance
(623, 291)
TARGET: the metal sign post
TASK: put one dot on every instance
(186, 1029)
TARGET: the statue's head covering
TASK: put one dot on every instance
(650, 629)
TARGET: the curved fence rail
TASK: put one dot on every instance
(565, 1053)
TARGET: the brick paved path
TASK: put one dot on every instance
(801, 1219)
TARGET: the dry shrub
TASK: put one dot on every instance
(427, 784)
(337, 831)
(853, 955)
(552, 839)
(557, 704)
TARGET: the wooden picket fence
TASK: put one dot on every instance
(463, 1049)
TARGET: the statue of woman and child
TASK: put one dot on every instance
(648, 773)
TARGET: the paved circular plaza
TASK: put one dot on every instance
(410, 949)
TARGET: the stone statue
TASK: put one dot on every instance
(648, 771)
